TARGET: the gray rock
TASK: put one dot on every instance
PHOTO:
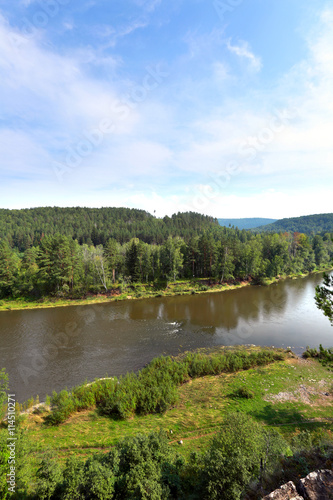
(317, 485)
(286, 492)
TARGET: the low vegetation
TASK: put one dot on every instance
(154, 388)
(325, 356)
(278, 414)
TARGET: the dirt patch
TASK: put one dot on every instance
(304, 394)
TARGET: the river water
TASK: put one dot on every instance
(48, 349)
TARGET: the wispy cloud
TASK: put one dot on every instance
(209, 113)
(243, 50)
(148, 5)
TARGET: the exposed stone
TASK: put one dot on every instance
(286, 492)
(317, 485)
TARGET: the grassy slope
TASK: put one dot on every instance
(200, 411)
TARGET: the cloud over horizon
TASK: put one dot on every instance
(157, 110)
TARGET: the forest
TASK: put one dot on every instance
(308, 224)
(95, 226)
(71, 252)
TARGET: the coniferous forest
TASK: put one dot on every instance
(68, 252)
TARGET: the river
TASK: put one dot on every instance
(48, 349)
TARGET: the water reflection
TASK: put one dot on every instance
(52, 348)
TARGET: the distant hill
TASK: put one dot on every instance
(245, 223)
(320, 223)
(24, 228)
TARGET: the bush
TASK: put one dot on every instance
(154, 388)
(83, 397)
(234, 457)
(49, 478)
(123, 401)
(99, 480)
(72, 487)
(325, 356)
(243, 392)
(62, 407)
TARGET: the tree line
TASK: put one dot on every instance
(24, 229)
(61, 266)
(308, 224)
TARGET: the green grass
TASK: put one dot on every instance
(131, 293)
(200, 411)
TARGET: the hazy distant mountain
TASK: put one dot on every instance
(319, 223)
(245, 223)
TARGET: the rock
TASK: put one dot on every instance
(286, 492)
(317, 485)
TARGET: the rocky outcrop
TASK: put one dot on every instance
(315, 486)
(286, 492)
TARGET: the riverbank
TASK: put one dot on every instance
(138, 291)
(292, 396)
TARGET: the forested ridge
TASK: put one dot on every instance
(308, 224)
(72, 252)
(26, 228)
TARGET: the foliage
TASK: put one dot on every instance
(243, 392)
(50, 477)
(3, 391)
(139, 467)
(325, 356)
(320, 223)
(324, 297)
(154, 388)
(237, 455)
(69, 253)
(146, 467)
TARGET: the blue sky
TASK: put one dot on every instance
(223, 107)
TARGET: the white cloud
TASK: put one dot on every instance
(148, 5)
(48, 101)
(243, 51)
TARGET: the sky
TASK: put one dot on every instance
(223, 107)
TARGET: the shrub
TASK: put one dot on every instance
(99, 480)
(84, 397)
(123, 401)
(49, 478)
(154, 388)
(156, 394)
(62, 407)
(73, 480)
(243, 392)
(234, 457)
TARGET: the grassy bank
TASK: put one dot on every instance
(292, 395)
(135, 291)
(120, 292)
